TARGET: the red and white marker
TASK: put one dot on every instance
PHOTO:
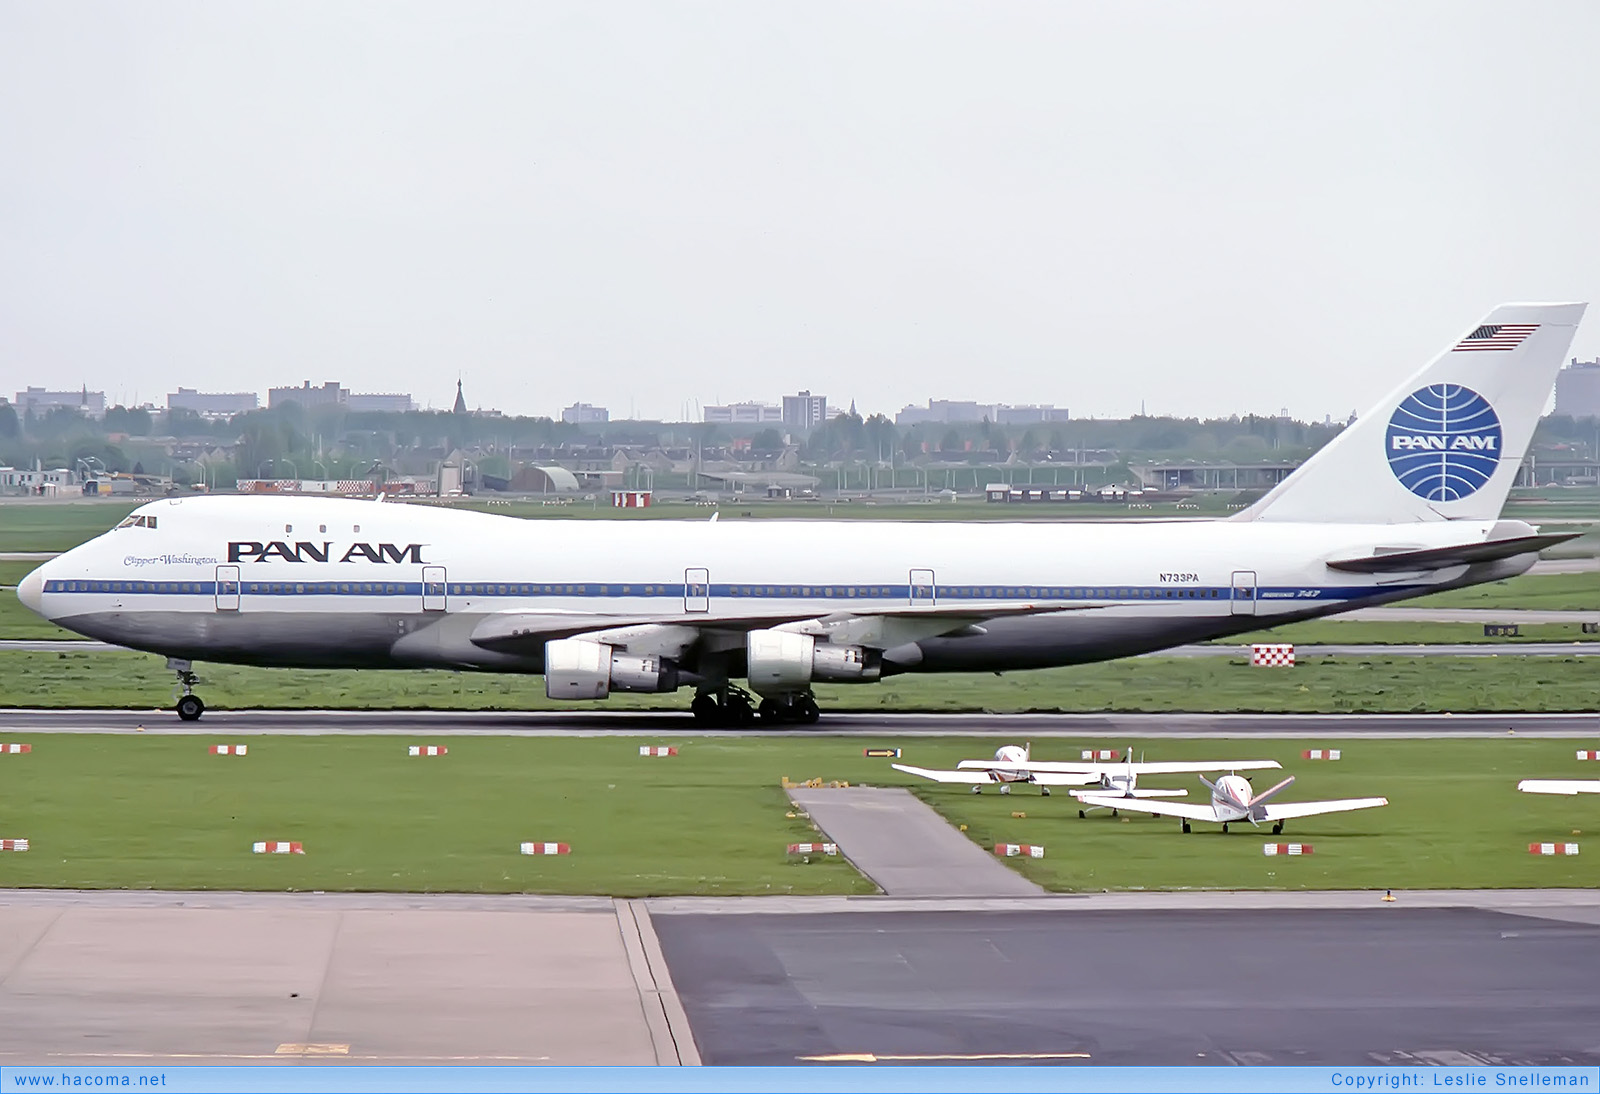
(15, 749)
(1320, 754)
(1028, 850)
(813, 848)
(426, 750)
(13, 845)
(276, 847)
(1552, 848)
(1100, 754)
(657, 750)
(1272, 655)
(230, 750)
(1285, 848)
(1583, 754)
(546, 849)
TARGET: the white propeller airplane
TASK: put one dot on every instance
(1559, 786)
(1014, 764)
(1404, 502)
(1234, 799)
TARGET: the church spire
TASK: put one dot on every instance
(461, 401)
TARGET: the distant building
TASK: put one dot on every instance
(213, 405)
(329, 394)
(91, 404)
(745, 414)
(1026, 415)
(945, 410)
(379, 402)
(460, 406)
(1578, 389)
(952, 411)
(805, 410)
(585, 414)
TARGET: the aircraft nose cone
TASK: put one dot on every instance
(31, 591)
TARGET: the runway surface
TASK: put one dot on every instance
(1147, 978)
(178, 978)
(601, 724)
(1357, 987)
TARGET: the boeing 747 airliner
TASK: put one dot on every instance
(1404, 502)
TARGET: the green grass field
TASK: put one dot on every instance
(123, 680)
(160, 812)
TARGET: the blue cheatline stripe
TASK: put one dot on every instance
(740, 591)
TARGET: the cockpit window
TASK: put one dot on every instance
(138, 521)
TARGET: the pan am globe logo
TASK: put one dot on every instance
(1443, 442)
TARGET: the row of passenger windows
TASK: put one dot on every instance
(474, 589)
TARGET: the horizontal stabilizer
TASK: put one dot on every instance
(1559, 786)
(1438, 558)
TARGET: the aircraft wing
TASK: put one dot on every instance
(1100, 793)
(1175, 767)
(966, 778)
(1160, 809)
(971, 776)
(519, 632)
(1559, 786)
(1312, 809)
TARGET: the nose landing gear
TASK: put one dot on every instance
(189, 705)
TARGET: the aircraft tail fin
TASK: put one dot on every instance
(1447, 443)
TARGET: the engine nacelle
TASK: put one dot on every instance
(784, 662)
(578, 669)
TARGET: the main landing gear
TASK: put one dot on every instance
(1277, 829)
(801, 709)
(189, 705)
(732, 706)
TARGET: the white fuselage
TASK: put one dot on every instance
(291, 581)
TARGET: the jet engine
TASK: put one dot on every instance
(575, 668)
(783, 662)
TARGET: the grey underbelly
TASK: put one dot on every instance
(303, 639)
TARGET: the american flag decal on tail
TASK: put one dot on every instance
(1496, 336)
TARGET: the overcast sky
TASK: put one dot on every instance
(1204, 207)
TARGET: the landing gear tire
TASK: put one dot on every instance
(1044, 791)
(1114, 813)
(1224, 828)
(190, 707)
(770, 710)
(706, 710)
(1082, 814)
(1277, 829)
(1186, 828)
(1004, 789)
(806, 710)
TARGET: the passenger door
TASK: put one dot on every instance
(697, 589)
(227, 588)
(434, 589)
(1243, 595)
(923, 588)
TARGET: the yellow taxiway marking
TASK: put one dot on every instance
(873, 1058)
